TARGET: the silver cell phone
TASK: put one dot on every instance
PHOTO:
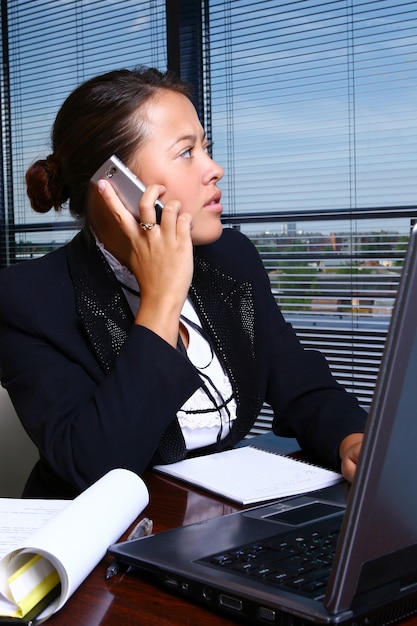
(127, 186)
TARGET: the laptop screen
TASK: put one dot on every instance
(381, 517)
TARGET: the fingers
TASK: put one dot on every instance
(108, 205)
(146, 208)
(184, 224)
(349, 454)
(348, 469)
(173, 222)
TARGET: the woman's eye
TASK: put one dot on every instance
(186, 153)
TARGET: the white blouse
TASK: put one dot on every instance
(208, 414)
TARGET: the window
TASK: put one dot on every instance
(313, 118)
(54, 46)
(313, 103)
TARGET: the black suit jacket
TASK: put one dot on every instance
(95, 391)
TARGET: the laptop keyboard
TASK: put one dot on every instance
(301, 562)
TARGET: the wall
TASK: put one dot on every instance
(17, 452)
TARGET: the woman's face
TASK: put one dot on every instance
(174, 154)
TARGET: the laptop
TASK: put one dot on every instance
(363, 537)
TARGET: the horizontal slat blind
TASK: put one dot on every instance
(338, 290)
(313, 103)
(54, 46)
(313, 110)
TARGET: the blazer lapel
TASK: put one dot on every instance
(226, 308)
(100, 302)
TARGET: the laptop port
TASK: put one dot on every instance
(207, 593)
(230, 603)
(266, 615)
(170, 581)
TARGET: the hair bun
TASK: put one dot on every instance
(45, 185)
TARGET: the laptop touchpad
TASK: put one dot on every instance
(306, 513)
(296, 512)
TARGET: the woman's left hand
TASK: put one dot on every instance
(349, 453)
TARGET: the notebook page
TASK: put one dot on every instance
(248, 475)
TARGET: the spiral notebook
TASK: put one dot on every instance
(249, 475)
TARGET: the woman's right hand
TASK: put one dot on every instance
(161, 258)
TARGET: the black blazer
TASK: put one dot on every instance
(95, 391)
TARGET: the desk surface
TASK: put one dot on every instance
(134, 600)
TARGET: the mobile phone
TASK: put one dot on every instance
(127, 186)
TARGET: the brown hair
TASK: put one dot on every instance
(98, 119)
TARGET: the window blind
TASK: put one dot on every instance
(337, 290)
(54, 46)
(313, 103)
(313, 112)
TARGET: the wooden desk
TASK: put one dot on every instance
(134, 599)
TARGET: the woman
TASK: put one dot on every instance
(139, 343)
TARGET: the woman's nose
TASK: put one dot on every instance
(215, 171)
